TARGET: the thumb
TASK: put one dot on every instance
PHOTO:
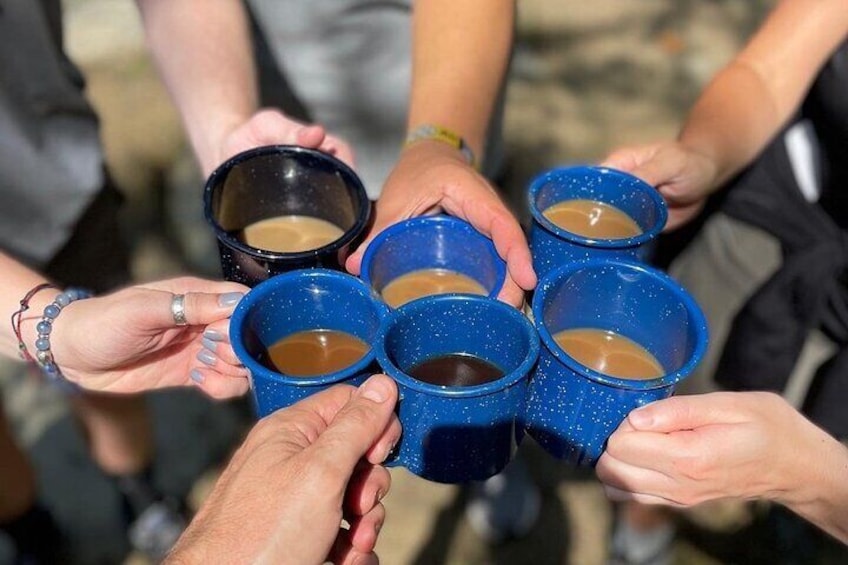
(360, 424)
(685, 412)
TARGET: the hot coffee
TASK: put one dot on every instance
(290, 234)
(315, 352)
(593, 219)
(456, 369)
(426, 282)
(609, 353)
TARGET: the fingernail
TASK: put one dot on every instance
(214, 335)
(206, 356)
(640, 417)
(196, 376)
(229, 299)
(374, 389)
(208, 343)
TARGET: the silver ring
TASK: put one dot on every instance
(178, 310)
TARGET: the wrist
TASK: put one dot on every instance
(32, 316)
(432, 133)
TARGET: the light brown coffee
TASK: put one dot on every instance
(315, 352)
(290, 234)
(590, 218)
(426, 282)
(609, 353)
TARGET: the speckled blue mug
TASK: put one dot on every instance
(433, 242)
(455, 434)
(280, 180)
(302, 300)
(552, 246)
(572, 409)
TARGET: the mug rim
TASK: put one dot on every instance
(390, 368)
(606, 243)
(436, 219)
(222, 170)
(557, 275)
(262, 291)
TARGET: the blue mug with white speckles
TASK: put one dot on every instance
(552, 246)
(571, 408)
(452, 432)
(302, 300)
(443, 243)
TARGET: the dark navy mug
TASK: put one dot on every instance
(433, 242)
(455, 434)
(572, 409)
(552, 245)
(282, 180)
(302, 300)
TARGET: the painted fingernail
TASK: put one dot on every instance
(206, 356)
(229, 299)
(196, 376)
(208, 343)
(214, 335)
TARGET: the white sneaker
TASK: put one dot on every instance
(505, 506)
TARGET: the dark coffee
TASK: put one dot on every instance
(314, 352)
(456, 369)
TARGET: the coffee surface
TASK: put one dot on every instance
(593, 219)
(456, 369)
(315, 352)
(609, 353)
(290, 234)
(426, 282)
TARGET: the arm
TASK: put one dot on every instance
(690, 449)
(205, 57)
(460, 55)
(744, 106)
(127, 341)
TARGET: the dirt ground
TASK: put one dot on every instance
(587, 77)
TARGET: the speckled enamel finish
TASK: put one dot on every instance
(279, 180)
(571, 409)
(297, 301)
(553, 246)
(458, 434)
(430, 242)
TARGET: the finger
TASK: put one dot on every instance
(208, 359)
(214, 342)
(217, 385)
(618, 495)
(386, 442)
(367, 487)
(183, 285)
(358, 425)
(688, 412)
(343, 553)
(339, 149)
(310, 136)
(365, 529)
(511, 293)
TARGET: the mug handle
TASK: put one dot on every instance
(393, 459)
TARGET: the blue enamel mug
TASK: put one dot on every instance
(571, 408)
(453, 433)
(552, 246)
(433, 242)
(302, 300)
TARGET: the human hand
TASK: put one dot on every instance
(683, 176)
(432, 177)
(128, 341)
(270, 127)
(300, 472)
(685, 450)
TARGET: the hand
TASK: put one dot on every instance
(432, 177)
(684, 177)
(300, 472)
(686, 450)
(128, 341)
(270, 127)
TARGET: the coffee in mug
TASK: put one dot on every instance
(456, 369)
(290, 233)
(314, 352)
(426, 282)
(593, 219)
(609, 353)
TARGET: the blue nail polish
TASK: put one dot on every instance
(229, 299)
(196, 376)
(208, 344)
(206, 356)
(214, 335)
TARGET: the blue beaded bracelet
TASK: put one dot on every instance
(43, 355)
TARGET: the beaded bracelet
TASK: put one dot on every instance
(17, 318)
(43, 355)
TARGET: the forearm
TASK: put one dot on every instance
(460, 53)
(205, 58)
(16, 281)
